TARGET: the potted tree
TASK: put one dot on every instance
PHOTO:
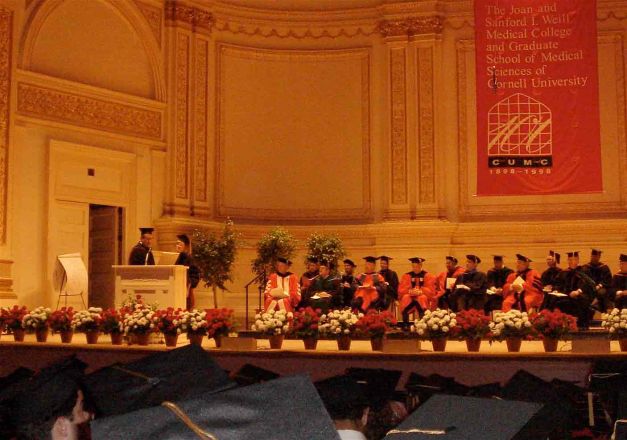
(325, 247)
(276, 243)
(214, 256)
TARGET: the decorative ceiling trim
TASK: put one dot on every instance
(191, 17)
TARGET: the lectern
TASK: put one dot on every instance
(165, 286)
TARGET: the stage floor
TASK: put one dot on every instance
(492, 364)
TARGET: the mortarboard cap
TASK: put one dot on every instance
(312, 259)
(184, 238)
(555, 256)
(385, 258)
(451, 258)
(573, 254)
(425, 387)
(250, 374)
(473, 258)
(416, 260)
(521, 257)
(380, 384)
(596, 251)
(370, 259)
(623, 258)
(286, 408)
(182, 373)
(460, 418)
(351, 262)
(146, 230)
(343, 397)
(284, 260)
(497, 257)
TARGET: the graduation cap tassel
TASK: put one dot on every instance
(178, 412)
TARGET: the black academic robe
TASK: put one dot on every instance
(619, 282)
(348, 292)
(193, 277)
(475, 298)
(141, 255)
(391, 278)
(600, 273)
(570, 280)
(477, 282)
(330, 285)
(497, 277)
(549, 277)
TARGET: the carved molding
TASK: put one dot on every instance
(188, 16)
(426, 122)
(398, 125)
(200, 121)
(181, 119)
(6, 43)
(621, 129)
(85, 111)
(411, 27)
(153, 16)
(293, 214)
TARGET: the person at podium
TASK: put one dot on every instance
(184, 248)
(141, 254)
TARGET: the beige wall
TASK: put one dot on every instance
(355, 117)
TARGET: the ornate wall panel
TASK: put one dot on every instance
(398, 122)
(269, 166)
(154, 17)
(200, 122)
(6, 42)
(426, 124)
(181, 110)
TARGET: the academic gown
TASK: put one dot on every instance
(193, 277)
(330, 285)
(602, 277)
(441, 292)
(619, 282)
(390, 277)
(289, 283)
(412, 280)
(530, 297)
(348, 292)
(141, 255)
(475, 297)
(370, 292)
(549, 277)
(496, 279)
(571, 280)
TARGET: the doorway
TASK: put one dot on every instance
(106, 239)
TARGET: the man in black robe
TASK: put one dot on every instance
(141, 254)
(390, 277)
(602, 277)
(579, 290)
(496, 280)
(348, 282)
(551, 274)
(325, 284)
(183, 245)
(618, 288)
(469, 291)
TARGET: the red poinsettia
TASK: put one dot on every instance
(305, 322)
(471, 324)
(168, 321)
(220, 322)
(12, 317)
(112, 321)
(61, 320)
(374, 323)
(556, 324)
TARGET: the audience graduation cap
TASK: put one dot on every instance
(182, 373)
(283, 409)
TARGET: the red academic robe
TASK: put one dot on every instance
(289, 283)
(424, 281)
(368, 289)
(532, 291)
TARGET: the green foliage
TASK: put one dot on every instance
(325, 247)
(276, 243)
(214, 255)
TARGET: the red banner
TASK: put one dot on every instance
(537, 97)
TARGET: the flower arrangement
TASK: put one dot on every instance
(37, 319)
(168, 321)
(339, 322)
(61, 320)
(512, 324)
(436, 324)
(140, 321)
(554, 325)
(273, 322)
(89, 320)
(306, 323)
(194, 322)
(375, 324)
(615, 322)
(112, 321)
(471, 324)
(13, 317)
(220, 322)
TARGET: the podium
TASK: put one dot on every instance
(164, 285)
